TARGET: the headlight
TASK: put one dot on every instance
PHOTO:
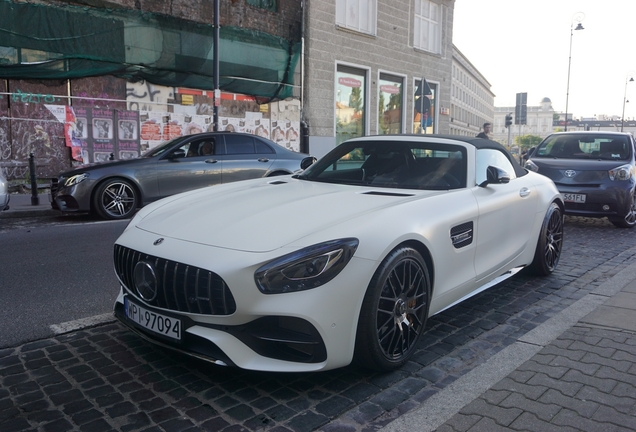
(623, 172)
(73, 180)
(306, 268)
(531, 166)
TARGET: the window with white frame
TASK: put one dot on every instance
(427, 26)
(358, 15)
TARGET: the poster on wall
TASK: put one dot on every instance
(172, 125)
(194, 124)
(127, 134)
(103, 135)
(72, 137)
(151, 129)
(286, 133)
(231, 124)
(260, 127)
(82, 118)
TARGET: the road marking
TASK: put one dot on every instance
(70, 326)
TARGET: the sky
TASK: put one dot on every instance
(523, 46)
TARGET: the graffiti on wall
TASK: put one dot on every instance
(144, 96)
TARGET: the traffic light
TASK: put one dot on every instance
(508, 120)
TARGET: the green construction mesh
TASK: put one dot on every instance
(45, 42)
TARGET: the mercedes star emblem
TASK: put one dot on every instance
(158, 241)
(145, 280)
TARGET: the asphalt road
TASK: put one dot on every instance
(54, 270)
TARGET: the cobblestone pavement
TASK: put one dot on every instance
(106, 378)
(585, 380)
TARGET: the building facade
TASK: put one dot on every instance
(365, 62)
(472, 101)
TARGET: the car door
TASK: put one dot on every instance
(190, 166)
(247, 158)
(506, 214)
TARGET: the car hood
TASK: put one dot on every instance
(580, 164)
(264, 214)
(99, 165)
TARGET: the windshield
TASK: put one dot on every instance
(162, 148)
(585, 146)
(392, 164)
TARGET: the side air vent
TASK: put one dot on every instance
(462, 235)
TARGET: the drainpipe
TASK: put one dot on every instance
(217, 92)
(304, 143)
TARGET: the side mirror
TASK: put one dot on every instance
(307, 162)
(177, 154)
(495, 175)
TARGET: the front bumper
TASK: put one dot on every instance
(303, 331)
(602, 200)
(71, 199)
(269, 343)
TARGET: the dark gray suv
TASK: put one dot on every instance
(594, 171)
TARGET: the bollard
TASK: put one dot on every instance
(35, 200)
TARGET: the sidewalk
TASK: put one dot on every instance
(576, 371)
(21, 205)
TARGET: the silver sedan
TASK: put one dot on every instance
(115, 189)
(4, 193)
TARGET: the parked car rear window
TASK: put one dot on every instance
(262, 148)
(239, 144)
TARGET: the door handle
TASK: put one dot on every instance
(524, 192)
(263, 160)
(211, 161)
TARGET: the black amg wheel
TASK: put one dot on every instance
(550, 242)
(394, 311)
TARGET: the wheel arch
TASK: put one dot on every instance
(426, 255)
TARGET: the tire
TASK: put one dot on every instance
(115, 199)
(629, 220)
(394, 311)
(550, 242)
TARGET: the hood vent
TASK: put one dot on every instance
(394, 194)
(277, 182)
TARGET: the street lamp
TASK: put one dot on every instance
(630, 78)
(578, 17)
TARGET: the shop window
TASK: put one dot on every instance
(427, 27)
(390, 97)
(424, 108)
(358, 15)
(350, 103)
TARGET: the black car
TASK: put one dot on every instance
(595, 172)
(115, 189)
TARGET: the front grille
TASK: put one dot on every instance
(181, 287)
(54, 186)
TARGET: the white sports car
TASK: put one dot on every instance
(343, 262)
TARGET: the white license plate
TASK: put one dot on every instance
(575, 198)
(153, 321)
